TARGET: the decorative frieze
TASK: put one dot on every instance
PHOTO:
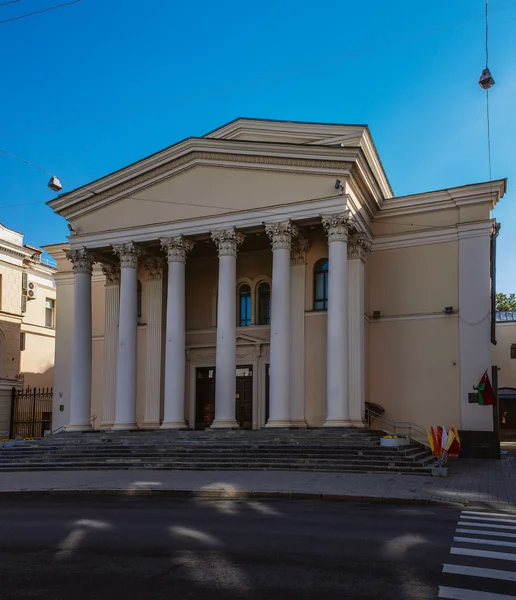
(358, 245)
(129, 254)
(337, 226)
(227, 241)
(281, 234)
(299, 251)
(112, 273)
(154, 268)
(177, 248)
(81, 259)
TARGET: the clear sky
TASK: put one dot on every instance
(92, 87)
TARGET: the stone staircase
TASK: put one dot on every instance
(332, 450)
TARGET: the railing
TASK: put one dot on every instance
(413, 430)
(92, 423)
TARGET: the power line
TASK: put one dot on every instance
(38, 12)
(25, 162)
(11, 2)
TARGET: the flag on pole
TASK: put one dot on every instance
(485, 392)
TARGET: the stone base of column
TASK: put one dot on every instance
(360, 424)
(106, 426)
(124, 427)
(299, 423)
(150, 425)
(225, 424)
(338, 423)
(279, 423)
(72, 427)
(174, 425)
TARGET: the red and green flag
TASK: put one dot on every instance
(485, 392)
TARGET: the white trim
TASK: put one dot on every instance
(415, 317)
(314, 313)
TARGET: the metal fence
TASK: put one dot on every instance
(31, 412)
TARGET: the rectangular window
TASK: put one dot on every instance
(22, 341)
(513, 350)
(49, 313)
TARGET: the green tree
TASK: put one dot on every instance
(505, 301)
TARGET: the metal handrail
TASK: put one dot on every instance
(371, 416)
(92, 423)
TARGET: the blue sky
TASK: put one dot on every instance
(92, 87)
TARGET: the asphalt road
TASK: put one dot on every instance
(129, 548)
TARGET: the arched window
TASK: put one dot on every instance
(321, 284)
(264, 303)
(139, 301)
(244, 303)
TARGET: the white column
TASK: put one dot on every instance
(151, 418)
(357, 247)
(112, 313)
(281, 235)
(227, 241)
(125, 402)
(297, 306)
(177, 249)
(337, 390)
(80, 400)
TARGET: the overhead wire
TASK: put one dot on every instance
(25, 161)
(39, 12)
(11, 2)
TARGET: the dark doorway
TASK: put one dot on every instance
(204, 397)
(507, 408)
(244, 397)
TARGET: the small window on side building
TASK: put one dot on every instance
(49, 313)
(513, 350)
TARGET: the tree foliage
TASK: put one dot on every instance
(505, 301)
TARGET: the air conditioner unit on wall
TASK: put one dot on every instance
(32, 290)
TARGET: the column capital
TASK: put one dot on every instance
(336, 226)
(177, 248)
(281, 234)
(299, 251)
(129, 254)
(358, 245)
(112, 273)
(227, 241)
(154, 268)
(81, 259)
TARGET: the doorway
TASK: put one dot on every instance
(244, 397)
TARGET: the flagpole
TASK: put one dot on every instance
(496, 418)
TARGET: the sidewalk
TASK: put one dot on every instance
(486, 483)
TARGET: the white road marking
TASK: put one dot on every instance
(493, 525)
(468, 540)
(482, 532)
(480, 572)
(492, 519)
(483, 553)
(488, 514)
(458, 594)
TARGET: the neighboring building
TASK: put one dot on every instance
(504, 357)
(360, 281)
(27, 319)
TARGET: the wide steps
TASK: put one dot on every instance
(356, 451)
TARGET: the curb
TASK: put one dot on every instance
(242, 495)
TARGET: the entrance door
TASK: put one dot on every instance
(204, 397)
(244, 397)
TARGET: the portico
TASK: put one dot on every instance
(167, 404)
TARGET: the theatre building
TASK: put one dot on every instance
(265, 275)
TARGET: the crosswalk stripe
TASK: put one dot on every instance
(469, 540)
(492, 519)
(488, 514)
(458, 594)
(493, 525)
(483, 553)
(480, 572)
(482, 532)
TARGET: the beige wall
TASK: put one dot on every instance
(501, 354)
(414, 370)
